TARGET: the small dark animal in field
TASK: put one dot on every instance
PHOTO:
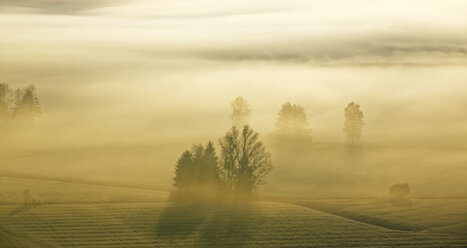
(399, 190)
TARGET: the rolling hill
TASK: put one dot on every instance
(156, 223)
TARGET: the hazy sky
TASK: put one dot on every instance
(158, 65)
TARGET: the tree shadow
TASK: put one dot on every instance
(231, 225)
(209, 224)
(182, 218)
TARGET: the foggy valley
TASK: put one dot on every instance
(235, 124)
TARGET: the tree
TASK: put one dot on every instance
(292, 123)
(197, 168)
(210, 171)
(183, 170)
(5, 103)
(27, 104)
(230, 156)
(241, 111)
(244, 159)
(353, 123)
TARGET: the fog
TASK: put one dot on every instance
(126, 86)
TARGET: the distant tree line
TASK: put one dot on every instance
(243, 161)
(292, 126)
(19, 106)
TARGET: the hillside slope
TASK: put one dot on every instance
(165, 224)
(9, 239)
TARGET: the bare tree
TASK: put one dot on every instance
(241, 111)
(353, 123)
(244, 159)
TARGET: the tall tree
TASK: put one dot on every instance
(27, 104)
(353, 123)
(210, 174)
(184, 170)
(197, 168)
(241, 111)
(291, 122)
(245, 159)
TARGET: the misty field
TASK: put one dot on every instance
(323, 170)
(233, 123)
(147, 221)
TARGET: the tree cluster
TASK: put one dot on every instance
(198, 168)
(20, 105)
(241, 168)
(243, 161)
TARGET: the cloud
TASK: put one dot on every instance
(356, 32)
(55, 6)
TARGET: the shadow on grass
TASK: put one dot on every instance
(209, 224)
(231, 225)
(182, 218)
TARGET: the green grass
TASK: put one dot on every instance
(96, 216)
(435, 215)
(9, 239)
(48, 191)
(255, 224)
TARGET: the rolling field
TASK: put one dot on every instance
(152, 222)
(437, 215)
(258, 224)
(49, 191)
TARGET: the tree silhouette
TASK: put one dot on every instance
(197, 168)
(241, 111)
(230, 156)
(353, 123)
(184, 170)
(5, 103)
(244, 159)
(292, 125)
(210, 169)
(27, 104)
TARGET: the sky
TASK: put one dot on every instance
(170, 69)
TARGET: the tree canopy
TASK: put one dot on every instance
(353, 123)
(27, 106)
(241, 111)
(197, 168)
(241, 168)
(292, 127)
(21, 105)
(244, 160)
(5, 102)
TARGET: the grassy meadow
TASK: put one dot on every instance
(94, 216)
